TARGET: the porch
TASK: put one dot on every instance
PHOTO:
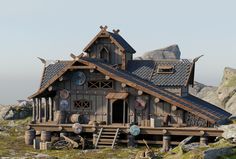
(157, 135)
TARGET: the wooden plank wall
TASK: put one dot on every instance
(112, 48)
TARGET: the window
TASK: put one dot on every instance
(93, 84)
(100, 84)
(104, 54)
(165, 69)
(106, 84)
(82, 104)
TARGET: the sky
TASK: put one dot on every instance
(52, 29)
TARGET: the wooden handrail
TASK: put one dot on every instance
(114, 141)
(99, 135)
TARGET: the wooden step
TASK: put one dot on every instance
(104, 143)
(107, 129)
(107, 136)
(108, 133)
(110, 140)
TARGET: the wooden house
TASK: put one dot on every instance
(104, 84)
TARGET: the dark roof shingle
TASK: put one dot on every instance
(51, 70)
(147, 69)
(122, 42)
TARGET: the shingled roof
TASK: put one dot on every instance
(147, 70)
(116, 38)
(52, 70)
(122, 42)
(189, 103)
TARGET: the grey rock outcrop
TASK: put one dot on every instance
(224, 95)
(215, 153)
(170, 52)
(12, 112)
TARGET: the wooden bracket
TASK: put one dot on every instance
(76, 57)
(103, 28)
(116, 31)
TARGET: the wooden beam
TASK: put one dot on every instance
(123, 85)
(107, 77)
(184, 131)
(140, 92)
(82, 67)
(61, 79)
(156, 100)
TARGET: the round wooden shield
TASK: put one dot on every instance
(64, 94)
(64, 104)
(134, 130)
(139, 103)
(80, 78)
(77, 128)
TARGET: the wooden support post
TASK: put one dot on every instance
(51, 109)
(111, 114)
(166, 143)
(34, 110)
(124, 112)
(108, 113)
(46, 114)
(40, 110)
(203, 140)
(131, 141)
(37, 109)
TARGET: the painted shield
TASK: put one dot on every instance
(79, 78)
(77, 128)
(64, 94)
(64, 105)
(134, 130)
(139, 103)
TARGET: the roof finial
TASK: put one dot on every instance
(103, 28)
(76, 57)
(116, 31)
(197, 58)
(42, 60)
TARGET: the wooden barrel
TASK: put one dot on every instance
(75, 118)
(60, 117)
(45, 136)
(29, 136)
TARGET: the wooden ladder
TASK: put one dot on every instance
(107, 137)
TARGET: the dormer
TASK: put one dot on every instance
(110, 47)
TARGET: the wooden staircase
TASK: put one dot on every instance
(107, 137)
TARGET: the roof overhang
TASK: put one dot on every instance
(120, 95)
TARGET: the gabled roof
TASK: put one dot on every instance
(207, 111)
(52, 70)
(147, 70)
(116, 38)
(51, 73)
(190, 103)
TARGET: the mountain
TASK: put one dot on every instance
(170, 52)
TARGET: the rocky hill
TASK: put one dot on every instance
(170, 52)
(224, 95)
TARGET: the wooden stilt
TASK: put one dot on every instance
(203, 140)
(166, 143)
